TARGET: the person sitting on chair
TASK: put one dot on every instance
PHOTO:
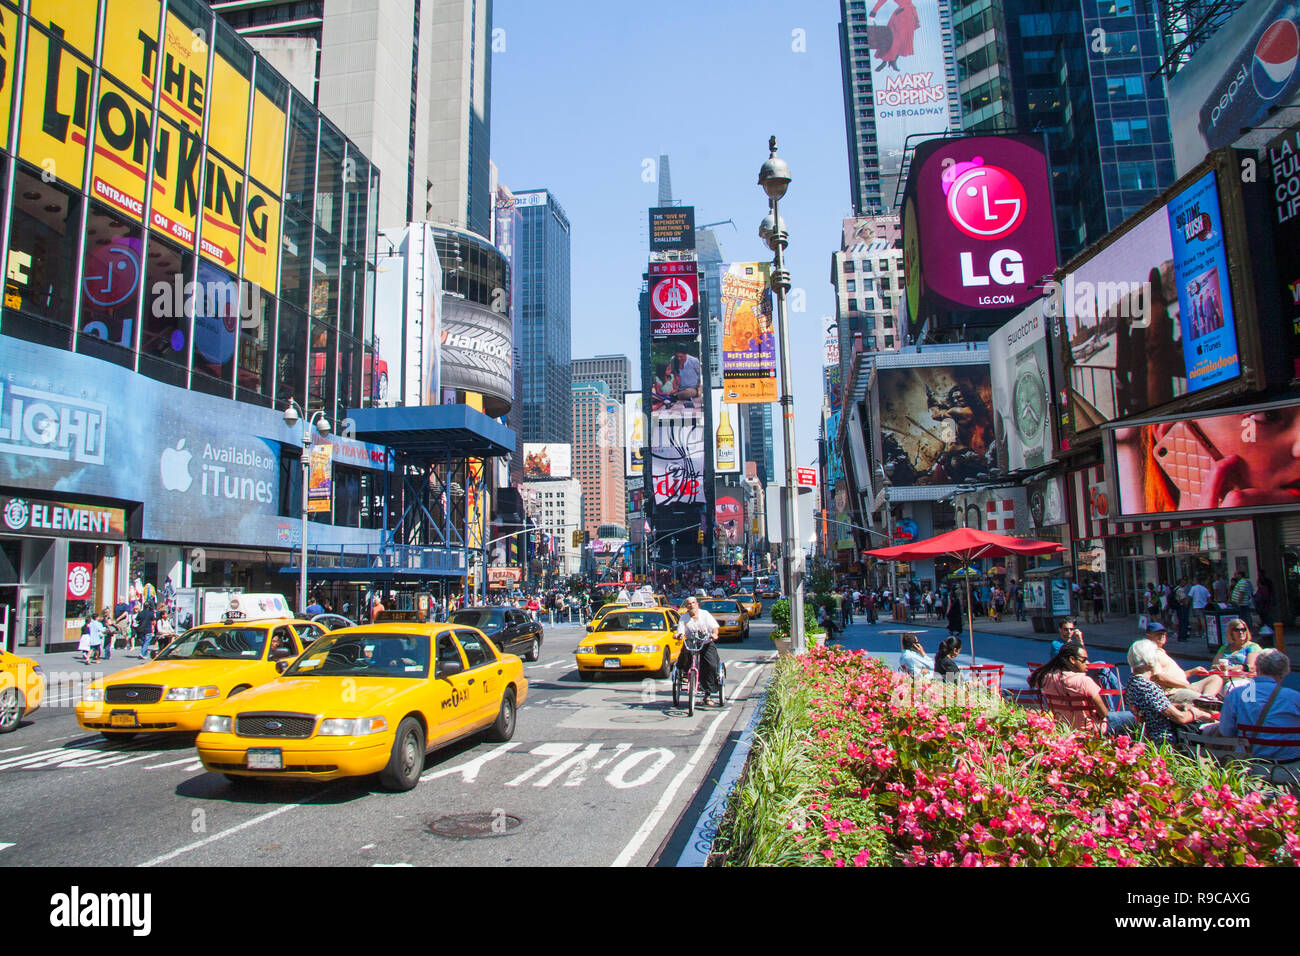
(1159, 715)
(914, 660)
(1263, 702)
(1065, 678)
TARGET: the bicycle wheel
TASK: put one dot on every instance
(722, 683)
(692, 683)
(677, 687)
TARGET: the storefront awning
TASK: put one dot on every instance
(436, 431)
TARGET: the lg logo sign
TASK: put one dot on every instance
(987, 203)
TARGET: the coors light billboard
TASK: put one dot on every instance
(978, 224)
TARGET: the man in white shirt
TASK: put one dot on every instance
(699, 623)
(688, 376)
(1200, 596)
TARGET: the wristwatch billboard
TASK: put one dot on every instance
(1029, 408)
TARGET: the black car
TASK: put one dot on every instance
(510, 629)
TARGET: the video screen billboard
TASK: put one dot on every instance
(1282, 187)
(677, 376)
(677, 456)
(1150, 316)
(909, 80)
(1248, 69)
(726, 448)
(936, 424)
(748, 338)
(672, 228)
(729, 513)
(674, 299)
(549, 460)
(1022, 391)
(980, 222)
(1238, 459)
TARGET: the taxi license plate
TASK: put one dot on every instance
(125, 718)
(613, 662)
(265, 758)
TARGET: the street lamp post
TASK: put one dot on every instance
(774, 177)
(294, 414)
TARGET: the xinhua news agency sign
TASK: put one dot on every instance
(979, 231)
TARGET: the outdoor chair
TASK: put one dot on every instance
(1286, 773)
(989, 675)
(1067, 707)
(1026, 698)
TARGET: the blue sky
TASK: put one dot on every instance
(584, 92)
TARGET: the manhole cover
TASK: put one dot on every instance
(638, 718)
(474, 826)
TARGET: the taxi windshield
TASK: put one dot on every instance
(720, 607)
(365, 655)
(217, 643)
(633, 621)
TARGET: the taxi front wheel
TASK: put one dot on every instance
(666, 668)
(504, 728)
(407, 761)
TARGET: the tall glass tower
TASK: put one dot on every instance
(545, 308)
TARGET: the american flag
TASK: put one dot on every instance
(1000, 515)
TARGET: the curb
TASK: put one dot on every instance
(700, 842)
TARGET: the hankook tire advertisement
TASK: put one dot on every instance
(475, 349)
(206, 469)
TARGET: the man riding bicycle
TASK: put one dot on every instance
(701, 625)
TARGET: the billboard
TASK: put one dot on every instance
(1022, 391)
(1150, 316)
(936, 424)
(748, 339)
(909, 80)
(726, 448)
(1046, 499)
(549, 460)
(476, 353)
(672, 228)
(634, 432)
(729, 513)
(678, 377)
(1238, 459)
(1247, 70)
(677, 456)
(1281, 162)
(320, 479)
(979, 230)
(674, 299)
(59, 122)
(871, 234)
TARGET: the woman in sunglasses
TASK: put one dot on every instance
(1240, 651)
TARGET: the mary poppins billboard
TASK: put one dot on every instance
(978, 229)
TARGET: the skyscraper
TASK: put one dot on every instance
(1080, 73)
(544, 306)
(408, 80)
(614, 370)
(900, 78)
(598, 455)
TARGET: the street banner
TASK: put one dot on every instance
(320, 479)
(748, 339)
(634, 431)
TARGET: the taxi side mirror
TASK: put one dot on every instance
(281, 665)
(447, 668)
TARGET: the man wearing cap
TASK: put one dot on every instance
(1173, 679)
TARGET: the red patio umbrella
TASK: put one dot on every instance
(966, 544)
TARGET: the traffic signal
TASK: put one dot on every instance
(577, 539)
(699, 536)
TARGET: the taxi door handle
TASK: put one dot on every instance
(471, 680)
(500, 671)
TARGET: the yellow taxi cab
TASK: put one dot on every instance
(752, 605)
(733, 620)
(631, 639)
(367, 700)
(601, 611)
(199, 669)
(22, 687)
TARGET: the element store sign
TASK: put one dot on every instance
(60, 519)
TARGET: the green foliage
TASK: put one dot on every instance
(780, 614)
(821, 580)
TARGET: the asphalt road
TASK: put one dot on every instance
(597, 774)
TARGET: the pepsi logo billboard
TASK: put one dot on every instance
(979, 217)
(1225, 94)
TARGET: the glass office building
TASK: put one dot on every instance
(544, 304)
(189, 244)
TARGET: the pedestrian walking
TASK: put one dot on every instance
(955, 623)
(96, 629)
(144, 622)
(83, 642)
(106, 622)
(1243, 596)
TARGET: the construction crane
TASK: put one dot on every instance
(710, 225)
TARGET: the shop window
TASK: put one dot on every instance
(300, 187)
(42, 259)
(290, 355)
(349, 385)
(168, 305)
(110, 287)
(330, 174)
(325, 280)
(324, 363)
(254, 377)
(295, 275)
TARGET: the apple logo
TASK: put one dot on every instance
(175, 468)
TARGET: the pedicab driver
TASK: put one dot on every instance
(702, 625)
